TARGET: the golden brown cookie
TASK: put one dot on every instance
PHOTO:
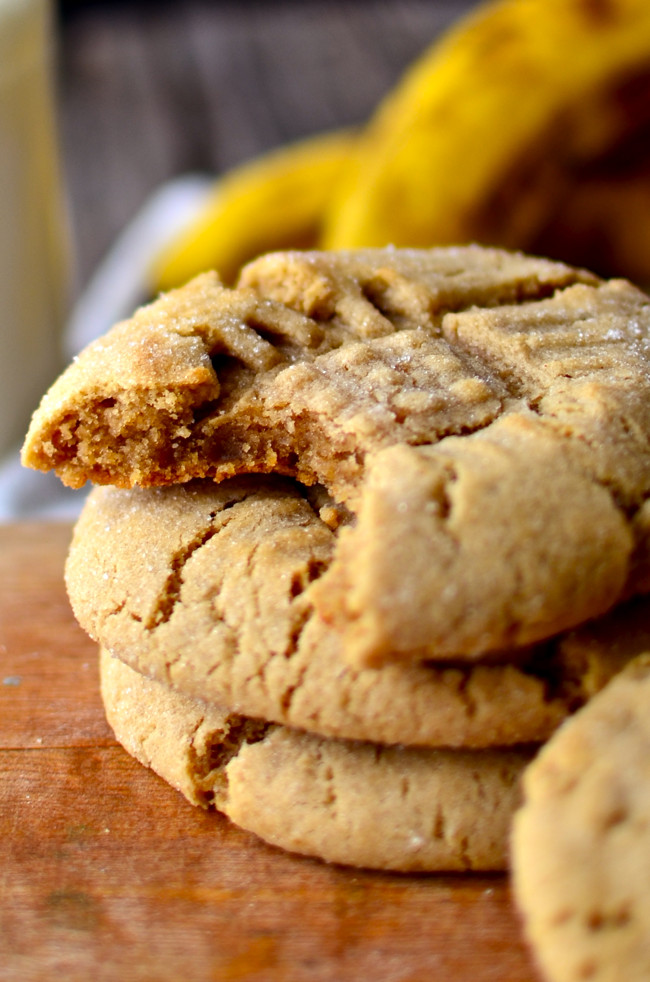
(509, 389)
(209, 381)
(581, 842)
(476, 544)
(345, 802)
(209, 587)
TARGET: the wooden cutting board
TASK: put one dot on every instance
(106, 873)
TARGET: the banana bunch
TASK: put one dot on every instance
(526, 126)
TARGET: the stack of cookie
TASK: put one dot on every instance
(372, 525)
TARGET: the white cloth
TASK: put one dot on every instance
(115, 289)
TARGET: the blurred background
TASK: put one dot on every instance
(150, 90)
(529, 126)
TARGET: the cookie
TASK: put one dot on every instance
(581, 841)
(345, 802)
(313, 361)
(209, 588)
(520, 545)
(410, 384)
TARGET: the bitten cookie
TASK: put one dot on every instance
(314, 360)
(351, 803)
(581, 842)
(209, 588)
(486, 414)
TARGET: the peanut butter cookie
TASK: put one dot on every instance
(486, 415)
(345, 802)
(581, 843)
(209, 588)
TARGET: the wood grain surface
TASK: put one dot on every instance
(107, 874)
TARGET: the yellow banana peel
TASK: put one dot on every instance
(488, 134)
(275, 201)
(527, 125)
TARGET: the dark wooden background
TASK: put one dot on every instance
(148, 91)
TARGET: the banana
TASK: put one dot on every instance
(604, 224)
(275, 201)
(492, 132)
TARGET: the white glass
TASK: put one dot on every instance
(33, 234)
